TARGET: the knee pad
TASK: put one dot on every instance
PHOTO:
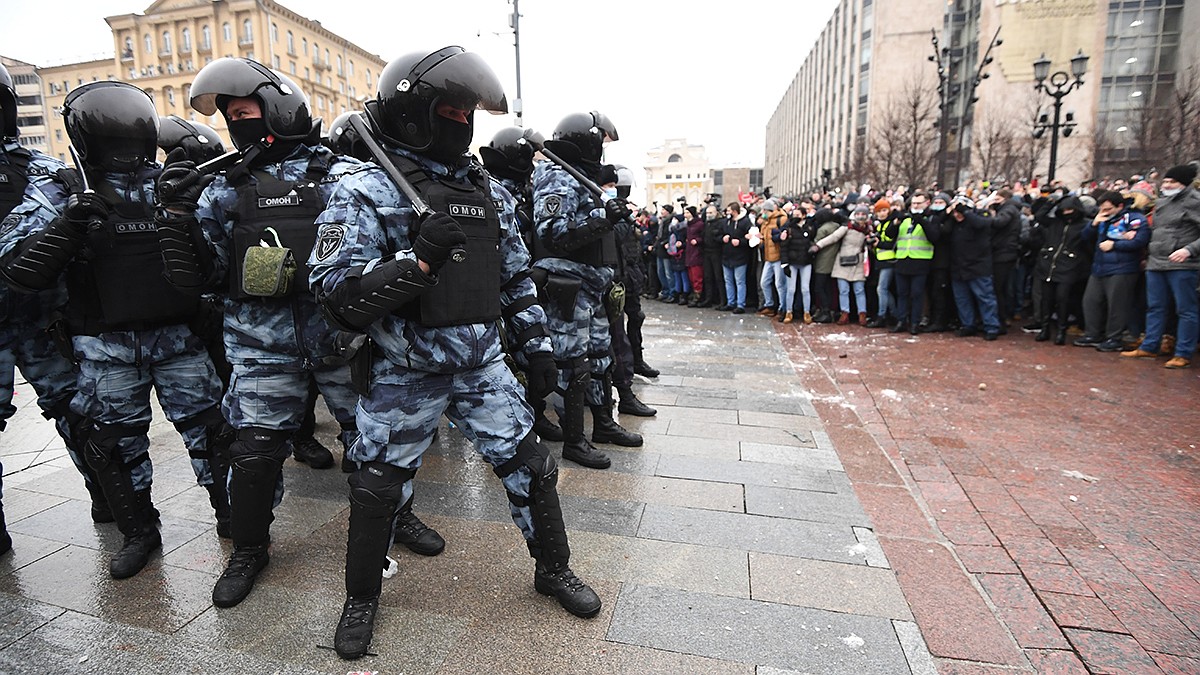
(377, 488)
(534, 455)
(259, 442)
(100, 450)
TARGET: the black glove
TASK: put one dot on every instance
(541, 376)
(180, 184)
(83, 208)
(787, 269)
(440, 236)
(617, 210)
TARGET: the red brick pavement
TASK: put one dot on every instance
(1037, 502)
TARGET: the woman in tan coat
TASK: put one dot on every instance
(848, 269)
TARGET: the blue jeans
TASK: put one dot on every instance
(802, 275)
(967, 293)
(772, 284)
(683, 285)
(1161, 289)
(860, 295)
(665, 277)
(883, 289)
(910, 297)
(735, 285)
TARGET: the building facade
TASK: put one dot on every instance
(161, 50)
(677, 170)
(844, 111)
(31, 116)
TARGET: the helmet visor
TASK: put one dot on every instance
(466, 82)
(604, 124)
(236, 78)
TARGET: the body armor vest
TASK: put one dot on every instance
(14, 178)
(117, 282)
(289, 209)
(466, 292)
(599, 253)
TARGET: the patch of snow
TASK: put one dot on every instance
(853, 641)
(844, 338)
(890, 393)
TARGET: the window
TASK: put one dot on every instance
(275, 62)
(326, 57)
(351, 65)
(149, 43)
(227, 31)
(185, 40)
(342, 86)
(166, 42)
(169, 93)
(304, 45)
(58, 135)
(274, 33)
(247, 31)
(206, 37)
(291, 43)
(368, 77)
(341, 70)
(292, 67)
(127, 53)
(307, 74)
(674, 158)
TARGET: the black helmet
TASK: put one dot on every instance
(625, 181)
(510, 154)
(284, 106)
(8, 103)
(199, 140)
(410, 88)
(343, 139)
(112, 125)
(587, 132)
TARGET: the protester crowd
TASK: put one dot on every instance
(1113, 265)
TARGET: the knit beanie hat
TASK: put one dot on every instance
(768, 206)
(693, 211)
(942, 196)
(1142, 187)
(1184, 173)
(668, 208)
(882, 205)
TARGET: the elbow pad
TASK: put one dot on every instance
(590, 231)
(185, 260)
(363, 298)
(39, 260)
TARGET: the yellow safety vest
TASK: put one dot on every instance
(881, 253)
(912, 243)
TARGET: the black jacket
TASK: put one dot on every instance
(971, 246)
(734, 256)
(801, 233)
(1006, 232)
(1062, 254)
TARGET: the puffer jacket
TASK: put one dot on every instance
(851, 243)
(1176, 226)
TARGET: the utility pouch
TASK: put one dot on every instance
(614, 300)
(268, 271)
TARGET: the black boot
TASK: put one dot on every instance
(251, 497)
(414, 534)
(219, 499)
(550, 548)
(642, 368)
(630, 405)
(606, 430)
(140, 541)
(1060, 337)
(375, 491)
(575, 445)
(1044, 334)
(5, 539)
(543, 427)
(310, 451)
(101, 513)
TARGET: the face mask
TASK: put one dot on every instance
(450, 139)
(938, 207)
(610, 193)
(918, 211)
(248, 131)
(1171, 192)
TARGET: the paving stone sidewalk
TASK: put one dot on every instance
(733, 541)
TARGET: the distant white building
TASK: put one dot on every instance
(31, 120)
(676, 169)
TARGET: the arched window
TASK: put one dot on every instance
(247, 31)
(128, 53)
(675, 158)
(326, 57)
(227, 32)
(350, 64)
(341, 71)
(274, 33)
(291, 43)
(185, 40)
(169, 93)
(149, 43)
(304, 45)
(206, 37)
(368, 77)
(166, 42)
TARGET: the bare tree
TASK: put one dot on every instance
(995, 147)
(902, 147)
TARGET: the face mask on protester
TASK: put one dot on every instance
(937, 207)
(918, 211)
(610, 193)
(1170, 192)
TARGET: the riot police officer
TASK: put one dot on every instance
(30, 176)
(577, 249)
(129, 326)
(382, 268)
(625, 320)
(509, 158)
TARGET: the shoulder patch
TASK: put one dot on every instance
(329, 242)
(553, 204)
(9, 223)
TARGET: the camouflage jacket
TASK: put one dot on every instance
(570, 205)
(288, 330)
(374, 221)
(45, 195)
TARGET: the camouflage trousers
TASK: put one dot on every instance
(271, 396)
(584, 334)
(24, 345)
(116, 373)
(398, 418)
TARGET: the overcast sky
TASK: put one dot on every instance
(658, 69)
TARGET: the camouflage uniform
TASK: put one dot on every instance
(425, 372)
(559, 203)
(274, 344)
(25, 318)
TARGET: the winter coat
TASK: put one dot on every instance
(679, 228)
(1006, 232)
(851, 243)
(971, 246)
(1126, 254)
(1176, 225)
(800, 237)
(770, 245)
(826, 258)
(713, 231)
(903, 227)
(1061, 250)
(693, 255)
(736, 256)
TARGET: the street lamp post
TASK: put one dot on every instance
(1061, 84)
